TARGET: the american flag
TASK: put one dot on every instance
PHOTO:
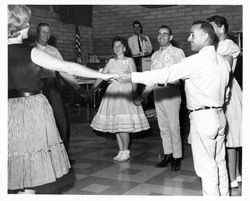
(78, 45)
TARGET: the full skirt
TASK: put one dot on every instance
(117, 113)
(233, 112)
(36, 154)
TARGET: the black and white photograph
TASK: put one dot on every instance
(124, 100)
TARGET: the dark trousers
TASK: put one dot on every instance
(138, 63)
(54, 97)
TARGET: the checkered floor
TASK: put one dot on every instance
(95, 173)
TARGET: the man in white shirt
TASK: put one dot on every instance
(50, 88)
(167, 100)
(206, 76)
(139, 44)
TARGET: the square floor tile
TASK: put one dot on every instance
(79, 176)
(150, 189)
(130, 171)
(95, 188)
(82, 165)
(185, 178)
(116, 172)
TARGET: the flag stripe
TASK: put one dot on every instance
(78, 44)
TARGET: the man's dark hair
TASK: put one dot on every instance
(219, 21)
(166, 27)
(136, 22)
(208, 28)
(41, 25)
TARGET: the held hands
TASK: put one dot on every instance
(124, 78)
(108, 76)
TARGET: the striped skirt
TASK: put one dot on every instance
(36, 154)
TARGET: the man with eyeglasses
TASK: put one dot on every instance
(206, 76)
(167, 100)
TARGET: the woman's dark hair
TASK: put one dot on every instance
(219, 21)
(208, 28)
(123, 41)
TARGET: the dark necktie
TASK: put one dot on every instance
(139, 44)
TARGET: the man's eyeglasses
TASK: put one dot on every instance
(163, 35)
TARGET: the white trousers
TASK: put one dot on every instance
(207, 139)
(167, 105)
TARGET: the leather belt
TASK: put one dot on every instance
(205, 108)
(168, 85)
(160, 85)
(17, 94)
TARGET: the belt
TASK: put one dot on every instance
(16, 94)
(205, 108)
(168, 85)
(160, 85)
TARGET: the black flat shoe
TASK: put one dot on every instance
(176, 164)
(168, 158)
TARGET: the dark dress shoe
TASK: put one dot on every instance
(176, 164)
(168, 158)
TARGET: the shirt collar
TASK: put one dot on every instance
(43, 47)
(209, 48)
(170, 46)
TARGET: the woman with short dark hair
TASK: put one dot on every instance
(233, 108)
(117, 114)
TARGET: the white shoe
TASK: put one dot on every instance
(239, 179)
(125, 156)
(234, 184)
(118, 155)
